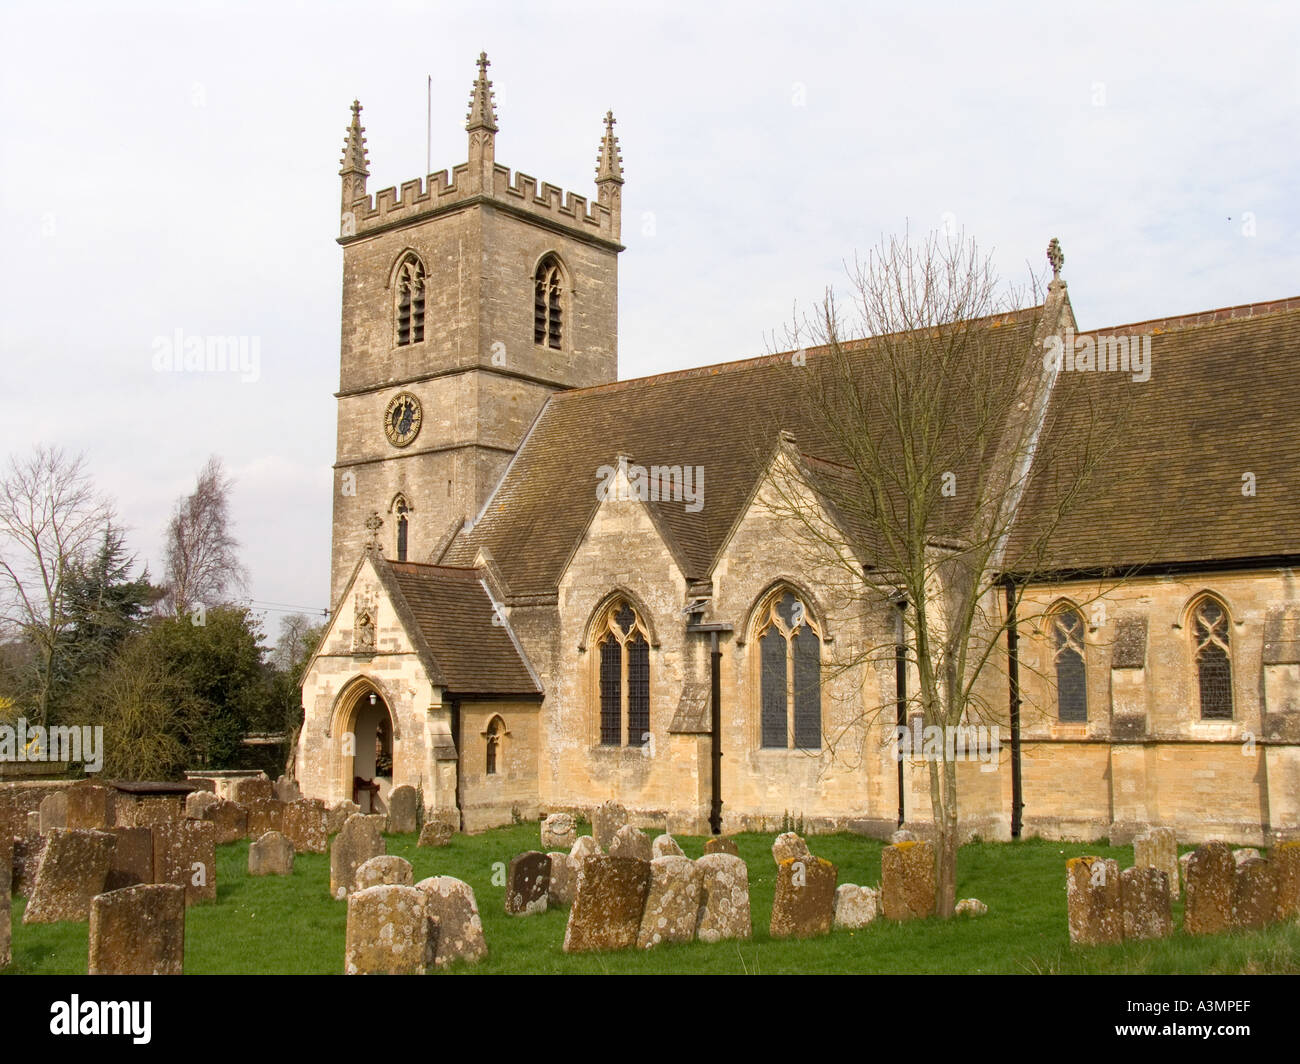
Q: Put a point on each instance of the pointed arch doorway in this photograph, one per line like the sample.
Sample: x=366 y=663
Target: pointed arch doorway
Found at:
x=368 y=757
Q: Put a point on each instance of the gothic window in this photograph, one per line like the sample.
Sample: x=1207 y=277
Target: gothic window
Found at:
x=402 y=510
x=789 y=657
x=1213 y=662
x=496 y=730
x=1067 y=630
x=410 y=301
x=547 y=292
x=624 y=646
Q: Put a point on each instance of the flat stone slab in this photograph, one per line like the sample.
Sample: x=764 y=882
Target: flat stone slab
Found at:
x=1145 y=897
x=72 y=871
x=907 y=881
x=390 y=932
x=611 y=897
x=383 y=871
x=1093 y=905
x=138 y=930
x=460 y=929
x=672 y=905
x=724 y=913
x=527 y=883
x=185 y=853
x=1210 y=874
x=271 y=855
x=804 y=904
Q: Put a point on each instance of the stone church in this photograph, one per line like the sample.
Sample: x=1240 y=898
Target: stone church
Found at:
x=516 y=629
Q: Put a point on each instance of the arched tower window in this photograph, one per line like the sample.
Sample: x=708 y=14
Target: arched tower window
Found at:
x=410 y=301
x=789 y=656
x=403 y=521
x=548 y=289
x=623 y=643
x=496 y=731
x=1066 y=627
x=1212 y=651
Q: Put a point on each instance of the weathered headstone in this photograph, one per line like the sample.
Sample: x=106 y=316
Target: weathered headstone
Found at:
x=33 y=823
x=197 y=804
x=157 y=809
x=1158 y=848
x=90 y=807
x=1210 y=872
x=724 y=911
x=403 y=810
x=138 y=930
x=251 y=789
x=907 y=881
x=132 y=861
x=271 y=855
x=185 y=853
x=630 y=841
x=1244 y=854
x=229 y=820
x=970 y=907
x=584 y=847
x=264 y=814
x=527 y=883
x=385 y=871
x=902 y=835
x=203 y=783
x=306 y=825
x=338 y=813
x=72 y=871
x=287 y=790
x=27 y=853
x=1092 y=898
x=665 y=846
x=722 y=844
x=360 y=840
x=1144 y=896
x=559 y=831
x=611 y=897
x=1182 y=868
x=390 y=932
x=605 y=822
x=788 y=845
x=460 y=935
x=54 y=811
x=564 y=881
x=804 y=905
x=672 y=905
x=1254 y=895
x=436 y=833
x=855 y=906
x=6 y=898
x=1286 y=860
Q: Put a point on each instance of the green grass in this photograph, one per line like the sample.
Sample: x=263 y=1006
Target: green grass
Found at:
x=289 y=924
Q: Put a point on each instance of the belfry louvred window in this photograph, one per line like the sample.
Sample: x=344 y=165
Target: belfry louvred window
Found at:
x=547 y=295
x=624 y=655
x=410 y=302
x=789 y=655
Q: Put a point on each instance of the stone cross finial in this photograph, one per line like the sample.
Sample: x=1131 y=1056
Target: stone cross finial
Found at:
x=482 y=106
x=1056 y=258
x=373 y=524
x=483 y=64
x=609 y=160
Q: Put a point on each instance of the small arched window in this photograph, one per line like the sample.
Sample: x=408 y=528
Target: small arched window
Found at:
x=1213 y=659
x=1071 y=675
x=410 y=301
x=548 y=286
x=789 y=651
x=402 y=510
x=496 y=731
x=624 y=647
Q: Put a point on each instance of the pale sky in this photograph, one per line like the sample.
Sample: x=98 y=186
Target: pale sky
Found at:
x=174 y=166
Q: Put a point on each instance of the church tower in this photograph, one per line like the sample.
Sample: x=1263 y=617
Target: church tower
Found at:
x=468 y=299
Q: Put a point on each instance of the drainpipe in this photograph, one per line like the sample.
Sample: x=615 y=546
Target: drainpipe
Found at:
x=715 y=719
x=900 y=698
x=1013 y=693
x=456 y=742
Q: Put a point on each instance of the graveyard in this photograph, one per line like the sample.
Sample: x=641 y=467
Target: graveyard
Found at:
x=293 y=922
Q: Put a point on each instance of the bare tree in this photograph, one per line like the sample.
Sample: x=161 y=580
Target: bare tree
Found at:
x=51 y=521
x=923 y=414
x=202 y=564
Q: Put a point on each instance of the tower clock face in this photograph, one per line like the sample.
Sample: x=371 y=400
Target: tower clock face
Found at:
x=402 y=419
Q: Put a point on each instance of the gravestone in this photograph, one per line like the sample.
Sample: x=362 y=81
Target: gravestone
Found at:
x=724 y=912
x=27 y=853
x=390 y=932
x=583 y=848
x=804 y=905
x=607 y=910
x=436 y=833
x=403 y=810
x=1254 y=895
x=360 y=840
x=1210 y=873
x=132 y=861
x=672 y=905
x=564 y=881
x=287 y=790
x=1092 y=898
x=6 y=898
x=385 y=871
x=228 y=819
x=264 y=814
x=271 y=855
x=90 y=807
x=1244 y=854
x=665 y=846
x=198 y=803
x=251 y=789
x=605 y=822
x=630 y=841
x=337 y=815
x=185 y=853
x=158 y=809
x=1144 y=896
x=54 y=811
x=907 y=880
x=559 y=831
x=722 y=844
x=138 y=930
x=527 y=883
x=855 y=906
x=305 y=825
x=970 y=907
x=1286 y=860
x=902 y=835
x=460 y=930
x=72 y=871
x=788 y=845
x=1158 y=848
